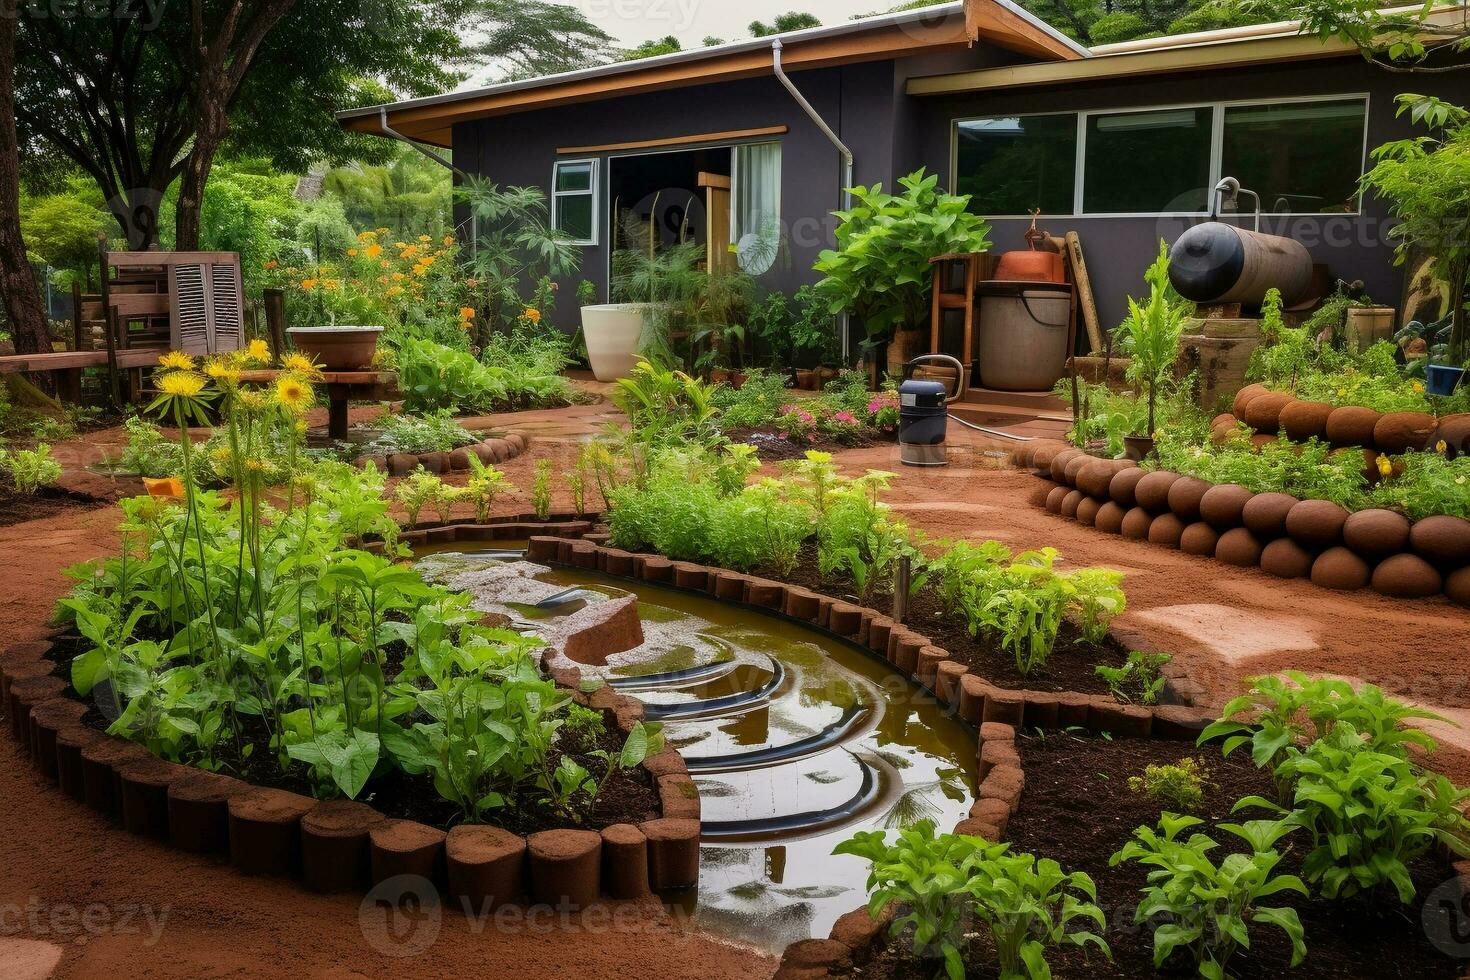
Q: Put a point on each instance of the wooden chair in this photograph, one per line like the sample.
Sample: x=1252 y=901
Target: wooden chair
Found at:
x=969 y=268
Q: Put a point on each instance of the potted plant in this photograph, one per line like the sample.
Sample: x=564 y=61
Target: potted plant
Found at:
x=1151 y=335
x=649 y=284
x=880 y=270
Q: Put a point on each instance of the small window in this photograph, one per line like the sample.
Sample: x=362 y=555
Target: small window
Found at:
x=1012 y=165
x=1301 y=157
x=1149 y=162
x=574 y=200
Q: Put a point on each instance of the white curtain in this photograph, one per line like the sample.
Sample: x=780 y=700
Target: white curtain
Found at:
x=756 y=228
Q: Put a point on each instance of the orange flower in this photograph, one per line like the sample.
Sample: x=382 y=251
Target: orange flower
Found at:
x=374 y=250
x=448 y=240
x=308 y=284
x=352 y=253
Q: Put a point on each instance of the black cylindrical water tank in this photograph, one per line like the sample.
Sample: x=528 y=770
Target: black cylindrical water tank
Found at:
x=1220 y=263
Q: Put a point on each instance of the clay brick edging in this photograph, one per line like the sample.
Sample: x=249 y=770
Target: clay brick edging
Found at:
x=340 y=845
x=489 y=451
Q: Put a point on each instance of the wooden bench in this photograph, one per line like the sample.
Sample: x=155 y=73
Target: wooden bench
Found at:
x=66 y=367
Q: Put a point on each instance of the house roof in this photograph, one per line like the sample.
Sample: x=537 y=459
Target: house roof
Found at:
x=957 y=24
x=1233 y=47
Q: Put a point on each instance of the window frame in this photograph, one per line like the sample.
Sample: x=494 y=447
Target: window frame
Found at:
x=1217 y=151
x=593 y=191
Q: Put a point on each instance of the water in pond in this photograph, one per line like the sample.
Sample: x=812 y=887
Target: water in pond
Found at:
x=796 y=740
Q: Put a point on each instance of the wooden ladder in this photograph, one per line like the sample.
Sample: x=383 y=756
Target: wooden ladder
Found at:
x=972 y=266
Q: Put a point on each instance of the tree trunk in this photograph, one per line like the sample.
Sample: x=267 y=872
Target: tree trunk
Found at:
x=213 y=122
x=17 y=280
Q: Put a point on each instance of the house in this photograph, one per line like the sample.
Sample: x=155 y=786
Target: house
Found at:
x=746 y=146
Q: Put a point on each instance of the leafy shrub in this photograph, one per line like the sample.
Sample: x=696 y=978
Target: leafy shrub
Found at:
x=1425 y=484
x=1310 y=470
x=1370 y=814
x=421 y=489
x=432 y=432
x=1180 y=785
x=858 y=537
x=797 y=331
x=515 y=371
x=1027 y=903
x=541 y=490
x=1142 y=672
x=954 y=568
x=148 y=453
x=30 y=469
x=1096 y=601
x=756 y=403
x=1208 y=909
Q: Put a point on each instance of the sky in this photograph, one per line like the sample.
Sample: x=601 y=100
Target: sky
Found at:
x=691 y=21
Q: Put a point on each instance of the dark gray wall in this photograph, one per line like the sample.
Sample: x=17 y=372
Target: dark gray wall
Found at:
x=892 y=134
x=1119 y=249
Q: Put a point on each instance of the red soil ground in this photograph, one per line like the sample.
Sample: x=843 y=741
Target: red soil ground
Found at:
x=1224 y=623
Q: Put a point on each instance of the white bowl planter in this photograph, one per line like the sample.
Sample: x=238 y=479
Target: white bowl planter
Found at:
x=614 y=334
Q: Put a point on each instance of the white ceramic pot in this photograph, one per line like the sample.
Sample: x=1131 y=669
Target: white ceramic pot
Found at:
x=614 y=333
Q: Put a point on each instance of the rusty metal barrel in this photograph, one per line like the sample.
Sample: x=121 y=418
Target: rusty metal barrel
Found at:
x=1219 y=263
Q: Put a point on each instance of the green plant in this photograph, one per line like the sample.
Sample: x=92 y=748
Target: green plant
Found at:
x=586 y=293
x=959 y=563
x=1280 y=712
x=1151 y=334
x=30 y=469
x=795 y=331
x=577 y=485
x=148 y=453
x=1370 y=813
x=1027 y=903
x=1097 y=599
x=1208 y=909
x=857 y=536
x=431 y=432
x=583 y=728
x=666 y=407
x=485 y=483
x=1142 y=672
x=541 y=490
x=422 y=489
x=880 y=269
x=1425 y=484
x=1181 y=785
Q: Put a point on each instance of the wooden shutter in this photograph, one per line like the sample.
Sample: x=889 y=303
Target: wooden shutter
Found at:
x=188 y=292
x=227 y=307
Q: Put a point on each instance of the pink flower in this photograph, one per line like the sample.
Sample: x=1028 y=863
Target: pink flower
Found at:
x=845 y=417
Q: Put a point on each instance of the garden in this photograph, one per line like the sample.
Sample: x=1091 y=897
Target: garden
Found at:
x=678 y=629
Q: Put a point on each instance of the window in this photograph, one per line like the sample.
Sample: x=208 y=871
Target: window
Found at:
x=1149 y=162
x=755 y=226
x=1013 y=165
x=1301 y=157
x=574 y=200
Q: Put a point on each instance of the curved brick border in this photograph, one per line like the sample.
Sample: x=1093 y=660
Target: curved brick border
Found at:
x=1433 y=556
x=493 y=450
x=337 y=847
x=1344 y=425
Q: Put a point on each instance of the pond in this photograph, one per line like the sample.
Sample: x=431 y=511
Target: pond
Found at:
x=796 y=739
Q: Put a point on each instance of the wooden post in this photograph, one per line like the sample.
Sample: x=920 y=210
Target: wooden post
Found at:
x=275 y=319
x=337 y=403
x=109 y=317
x=902 y=579
x=76 y=314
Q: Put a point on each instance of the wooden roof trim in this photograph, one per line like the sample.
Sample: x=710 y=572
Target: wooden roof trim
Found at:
x=1201 y=58
x=698 y=138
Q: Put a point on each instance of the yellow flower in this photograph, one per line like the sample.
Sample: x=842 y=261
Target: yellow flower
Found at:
x=308 y=284
x=397 y=277
x=384 y=264
x=298 y=362
x=177 y=361
x=352 y=253
x=366 y=236
x=181 y=384
x=1418 y=387
x=255 y=466
x=258 y=351
x=394 y=290
x=466 y=312
x=465 y=325
x=427 y=261
x=531 y=315
x=293 y=394
x=222 y=371
x=251 y=400
x=1441 y=446
x=448 y=240
x=1385 y=466
x=374 y=250
x=424 y=238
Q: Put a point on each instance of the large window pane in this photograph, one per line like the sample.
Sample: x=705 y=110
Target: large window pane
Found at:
x=1301 y=157
x=1147 y=162
x=756 y=231
x=1013 y=165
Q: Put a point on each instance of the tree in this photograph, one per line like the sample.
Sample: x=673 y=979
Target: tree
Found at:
x=533 y=38
x=63 y=229
x=1408 y=39
x=18 y=288
x=1427 y=184
x=654 y=48
x=782 y=23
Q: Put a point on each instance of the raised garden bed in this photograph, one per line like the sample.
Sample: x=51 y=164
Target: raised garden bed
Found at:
x=646 y=835
x=1272 y=412
x=1290 y=538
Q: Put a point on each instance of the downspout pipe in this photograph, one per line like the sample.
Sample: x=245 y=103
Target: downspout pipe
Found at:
x=394 y=134
x=842 y=148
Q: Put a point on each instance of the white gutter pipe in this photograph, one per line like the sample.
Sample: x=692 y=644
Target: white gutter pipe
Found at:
x=842 y=148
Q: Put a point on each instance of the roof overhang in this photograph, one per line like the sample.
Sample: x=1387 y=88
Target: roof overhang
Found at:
x=947 y=26
x=1276 y=43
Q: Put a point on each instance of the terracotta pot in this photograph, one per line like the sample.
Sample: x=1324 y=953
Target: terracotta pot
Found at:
x=338 y=348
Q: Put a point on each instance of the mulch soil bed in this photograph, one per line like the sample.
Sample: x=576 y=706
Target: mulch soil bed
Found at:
x=629 y=797
x=1077 y=809
x=18 y=508
x=1070 y=668
x=773 y=448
